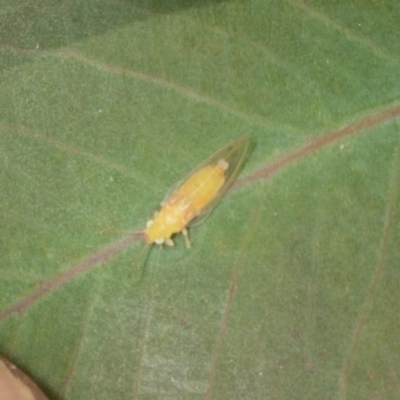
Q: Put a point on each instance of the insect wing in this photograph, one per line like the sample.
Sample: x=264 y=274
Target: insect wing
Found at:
x=234 y=154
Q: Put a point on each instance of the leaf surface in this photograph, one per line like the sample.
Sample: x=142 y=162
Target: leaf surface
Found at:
x=291 y=288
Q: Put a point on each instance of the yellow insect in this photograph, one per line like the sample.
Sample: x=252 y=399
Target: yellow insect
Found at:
x=195 y=197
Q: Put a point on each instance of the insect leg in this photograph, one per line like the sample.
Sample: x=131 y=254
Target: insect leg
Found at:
x=186 y=236
x=169 y=242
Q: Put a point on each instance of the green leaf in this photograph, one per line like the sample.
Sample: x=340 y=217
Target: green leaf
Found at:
x=291 y=287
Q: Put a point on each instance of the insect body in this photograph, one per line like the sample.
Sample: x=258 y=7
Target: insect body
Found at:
x=197 y=195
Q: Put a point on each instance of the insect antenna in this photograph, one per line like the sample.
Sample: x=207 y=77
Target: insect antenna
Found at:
x=140 y=259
